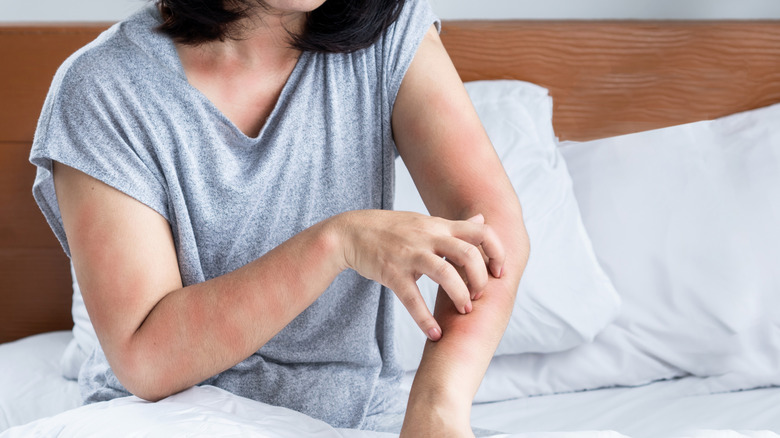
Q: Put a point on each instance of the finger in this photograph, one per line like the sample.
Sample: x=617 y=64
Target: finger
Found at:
x=469 y=258
x=494 y=250
x=478 y=219
x=443 y=273
x=411 y=298
x=482 y=235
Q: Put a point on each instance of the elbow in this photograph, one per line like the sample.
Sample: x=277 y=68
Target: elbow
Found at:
x=148 y=393
x=524 y=249
x=140 y=375
x=519 y=250
x=141 y=381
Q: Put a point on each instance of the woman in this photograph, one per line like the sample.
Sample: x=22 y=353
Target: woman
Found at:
x=220 y=174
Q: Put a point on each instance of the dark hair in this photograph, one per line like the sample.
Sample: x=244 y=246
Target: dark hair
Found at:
x=338 y=26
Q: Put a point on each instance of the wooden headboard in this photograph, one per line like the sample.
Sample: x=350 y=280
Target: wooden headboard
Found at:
x=606 y=78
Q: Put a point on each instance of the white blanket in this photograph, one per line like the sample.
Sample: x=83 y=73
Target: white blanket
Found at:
x=211 y=412
x=204 y=411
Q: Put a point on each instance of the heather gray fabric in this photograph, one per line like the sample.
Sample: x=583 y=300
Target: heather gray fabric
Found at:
x=121 y=110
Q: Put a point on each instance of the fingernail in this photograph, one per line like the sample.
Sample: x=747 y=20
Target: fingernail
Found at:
x=434 y=334
x=469 y=307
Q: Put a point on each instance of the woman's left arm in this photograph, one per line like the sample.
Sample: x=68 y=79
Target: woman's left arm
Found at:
x=459 y=175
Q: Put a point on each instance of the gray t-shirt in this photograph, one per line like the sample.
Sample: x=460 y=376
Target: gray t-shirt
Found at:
x=122 y=111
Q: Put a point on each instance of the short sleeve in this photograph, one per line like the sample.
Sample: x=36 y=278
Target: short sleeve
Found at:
x=402 y=40
x=88 y=123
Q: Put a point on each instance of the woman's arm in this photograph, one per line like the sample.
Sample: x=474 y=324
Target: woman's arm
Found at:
x=161 y=338
x=458 y=173
x=158 y=336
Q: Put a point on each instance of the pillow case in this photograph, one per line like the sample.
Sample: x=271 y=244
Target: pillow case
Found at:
x=686 y=222
x=564 y=298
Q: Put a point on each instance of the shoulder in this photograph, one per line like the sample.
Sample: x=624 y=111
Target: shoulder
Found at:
x=403 y=37
x=102 y=89
x=128 y=50
x=405 y=32
x=400 y=43
x=416 y=15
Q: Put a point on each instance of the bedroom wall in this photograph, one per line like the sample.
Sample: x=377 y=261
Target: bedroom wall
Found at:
x=111 y=10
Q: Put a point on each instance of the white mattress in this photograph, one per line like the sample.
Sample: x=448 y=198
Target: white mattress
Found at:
x=31 y=387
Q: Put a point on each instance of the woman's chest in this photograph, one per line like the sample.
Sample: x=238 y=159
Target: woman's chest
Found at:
x=233 y=201
x=325 y=148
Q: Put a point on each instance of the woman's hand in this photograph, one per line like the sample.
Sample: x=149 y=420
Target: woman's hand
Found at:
x=396 y=248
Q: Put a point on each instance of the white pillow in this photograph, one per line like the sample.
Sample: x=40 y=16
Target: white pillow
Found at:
x=565 y=298
x=686 y=222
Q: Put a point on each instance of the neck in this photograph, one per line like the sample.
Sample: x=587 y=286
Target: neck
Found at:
x=263 y=38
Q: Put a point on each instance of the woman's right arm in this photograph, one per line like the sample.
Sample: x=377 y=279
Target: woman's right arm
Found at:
x=161 y=338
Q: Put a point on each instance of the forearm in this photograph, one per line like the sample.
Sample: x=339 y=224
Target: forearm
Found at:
x=459 y=175
x=453 y=367
x=200 y=330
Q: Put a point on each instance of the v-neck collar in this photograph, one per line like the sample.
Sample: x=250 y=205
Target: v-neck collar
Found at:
x=280 y=101
x=178 y=69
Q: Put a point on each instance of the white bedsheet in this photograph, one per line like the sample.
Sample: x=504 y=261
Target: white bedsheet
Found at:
x=675 y=408
x=199 y=411
x=30 y=387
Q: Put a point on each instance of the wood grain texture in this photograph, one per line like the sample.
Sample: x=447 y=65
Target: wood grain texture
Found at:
x=35 y=292
x=21 y=223
x=35 y=289
x=610 y=78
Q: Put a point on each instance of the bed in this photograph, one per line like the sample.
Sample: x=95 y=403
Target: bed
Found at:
x=651 y=130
